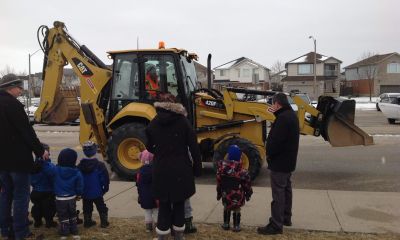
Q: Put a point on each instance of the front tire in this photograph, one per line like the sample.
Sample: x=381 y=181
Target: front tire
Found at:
x=124 y=146
x=251 y=158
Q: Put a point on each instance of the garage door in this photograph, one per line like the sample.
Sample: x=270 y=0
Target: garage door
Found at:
x=390 y=89
x=301 y=88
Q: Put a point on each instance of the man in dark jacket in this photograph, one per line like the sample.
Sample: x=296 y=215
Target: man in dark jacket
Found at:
x=282 y=147
x=17 y=142
x=170 y=137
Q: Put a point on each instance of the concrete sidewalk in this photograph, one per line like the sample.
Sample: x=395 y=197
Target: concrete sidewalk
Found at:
x=366 y=212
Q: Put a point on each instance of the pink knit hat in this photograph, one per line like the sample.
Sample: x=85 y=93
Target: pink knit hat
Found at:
x=146 y=157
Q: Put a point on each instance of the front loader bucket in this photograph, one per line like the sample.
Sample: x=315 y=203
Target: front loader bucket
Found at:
x=66 y=108
x=338 y=123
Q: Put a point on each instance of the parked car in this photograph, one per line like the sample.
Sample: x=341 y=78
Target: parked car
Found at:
x=391 y=110
x=31 y=112
x=386 y=98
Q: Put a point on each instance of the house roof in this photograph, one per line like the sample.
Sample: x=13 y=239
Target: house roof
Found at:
x=199 y=66
x=309 y=58
x=306 y=78
x=238 y=61
x=371 y=60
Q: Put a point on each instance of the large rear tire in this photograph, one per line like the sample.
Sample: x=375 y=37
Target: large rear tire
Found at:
x=391 y=120
x=251 y=158
x=124 y=146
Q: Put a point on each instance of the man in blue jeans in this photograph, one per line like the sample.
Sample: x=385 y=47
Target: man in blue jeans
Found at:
x=17 y=142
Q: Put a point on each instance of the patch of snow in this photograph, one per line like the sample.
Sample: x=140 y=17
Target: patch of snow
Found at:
x=323 y=58
x=366 y=106
x=299 y=60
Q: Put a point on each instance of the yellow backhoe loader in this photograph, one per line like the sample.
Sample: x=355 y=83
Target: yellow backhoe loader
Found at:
x=117 y=104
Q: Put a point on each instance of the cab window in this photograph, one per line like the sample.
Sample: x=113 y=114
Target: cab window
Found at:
x=160 y=75
x=126 y=80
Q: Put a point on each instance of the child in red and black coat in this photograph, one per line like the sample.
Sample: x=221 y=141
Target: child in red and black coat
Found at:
x=233 y=186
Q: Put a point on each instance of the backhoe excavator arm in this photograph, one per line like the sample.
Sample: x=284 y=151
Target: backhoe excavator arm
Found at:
x=58 y=104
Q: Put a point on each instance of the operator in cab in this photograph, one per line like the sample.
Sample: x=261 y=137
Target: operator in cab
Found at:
x=151 y=81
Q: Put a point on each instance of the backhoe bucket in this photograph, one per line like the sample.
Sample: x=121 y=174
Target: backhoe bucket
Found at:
x=338 y=123
x=66 y=107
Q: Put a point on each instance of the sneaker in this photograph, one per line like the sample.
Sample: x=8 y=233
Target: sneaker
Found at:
x=270 y=229
x=225 y=226
x=149 y=227
x=76 y=237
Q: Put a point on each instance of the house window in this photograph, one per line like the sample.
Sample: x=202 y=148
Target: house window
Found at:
x=221 y=73
x=393 y=68
x=305 y=68
x=246 y=72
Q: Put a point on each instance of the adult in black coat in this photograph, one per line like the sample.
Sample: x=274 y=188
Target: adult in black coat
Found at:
x=282 y=147
x=17 y=142
x=171 y=139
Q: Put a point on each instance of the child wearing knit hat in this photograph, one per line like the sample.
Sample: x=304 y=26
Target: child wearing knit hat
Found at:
x=233 y=186
x=96 y=184
x=144 y=187
x=68 y=186
x=42 y=194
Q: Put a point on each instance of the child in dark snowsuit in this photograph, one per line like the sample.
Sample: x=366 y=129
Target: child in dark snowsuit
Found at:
x=144 y=187
x=233 y=186
x=42 y=195
x=96 y=184
x=68 y=186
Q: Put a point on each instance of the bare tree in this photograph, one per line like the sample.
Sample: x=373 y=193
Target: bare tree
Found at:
x=368 y=70
x=277 y=67
x=275 y=79
x=6 y=70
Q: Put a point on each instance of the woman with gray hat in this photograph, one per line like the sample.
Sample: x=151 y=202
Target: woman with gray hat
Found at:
x=17 y=142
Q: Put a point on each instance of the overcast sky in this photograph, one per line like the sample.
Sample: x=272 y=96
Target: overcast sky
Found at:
x=262 y=30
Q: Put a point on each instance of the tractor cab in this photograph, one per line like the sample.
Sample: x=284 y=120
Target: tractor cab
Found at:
x=141 y=75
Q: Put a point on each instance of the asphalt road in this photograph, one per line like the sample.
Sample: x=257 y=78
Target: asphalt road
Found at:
x=320 y=166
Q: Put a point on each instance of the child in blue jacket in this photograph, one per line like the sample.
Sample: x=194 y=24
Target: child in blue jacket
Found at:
x=68 y=187
x=96 y=183
x=144 y=187
x=42 y=195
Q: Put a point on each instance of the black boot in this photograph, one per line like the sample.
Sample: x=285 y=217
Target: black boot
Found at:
x=38 y=222
x=189 y=227
x=227 y=219
x=104 y=220
x=50 y=223
x=236 y=221
x=78 y=220
x=87 y=220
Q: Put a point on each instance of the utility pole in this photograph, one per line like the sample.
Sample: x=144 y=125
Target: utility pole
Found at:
x=315 y=68
x=29 y=77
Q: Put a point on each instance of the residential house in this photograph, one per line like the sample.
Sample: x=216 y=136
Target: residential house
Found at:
x=300 y=75
x=201 y=72
x=376 y=74
x=242 y=72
